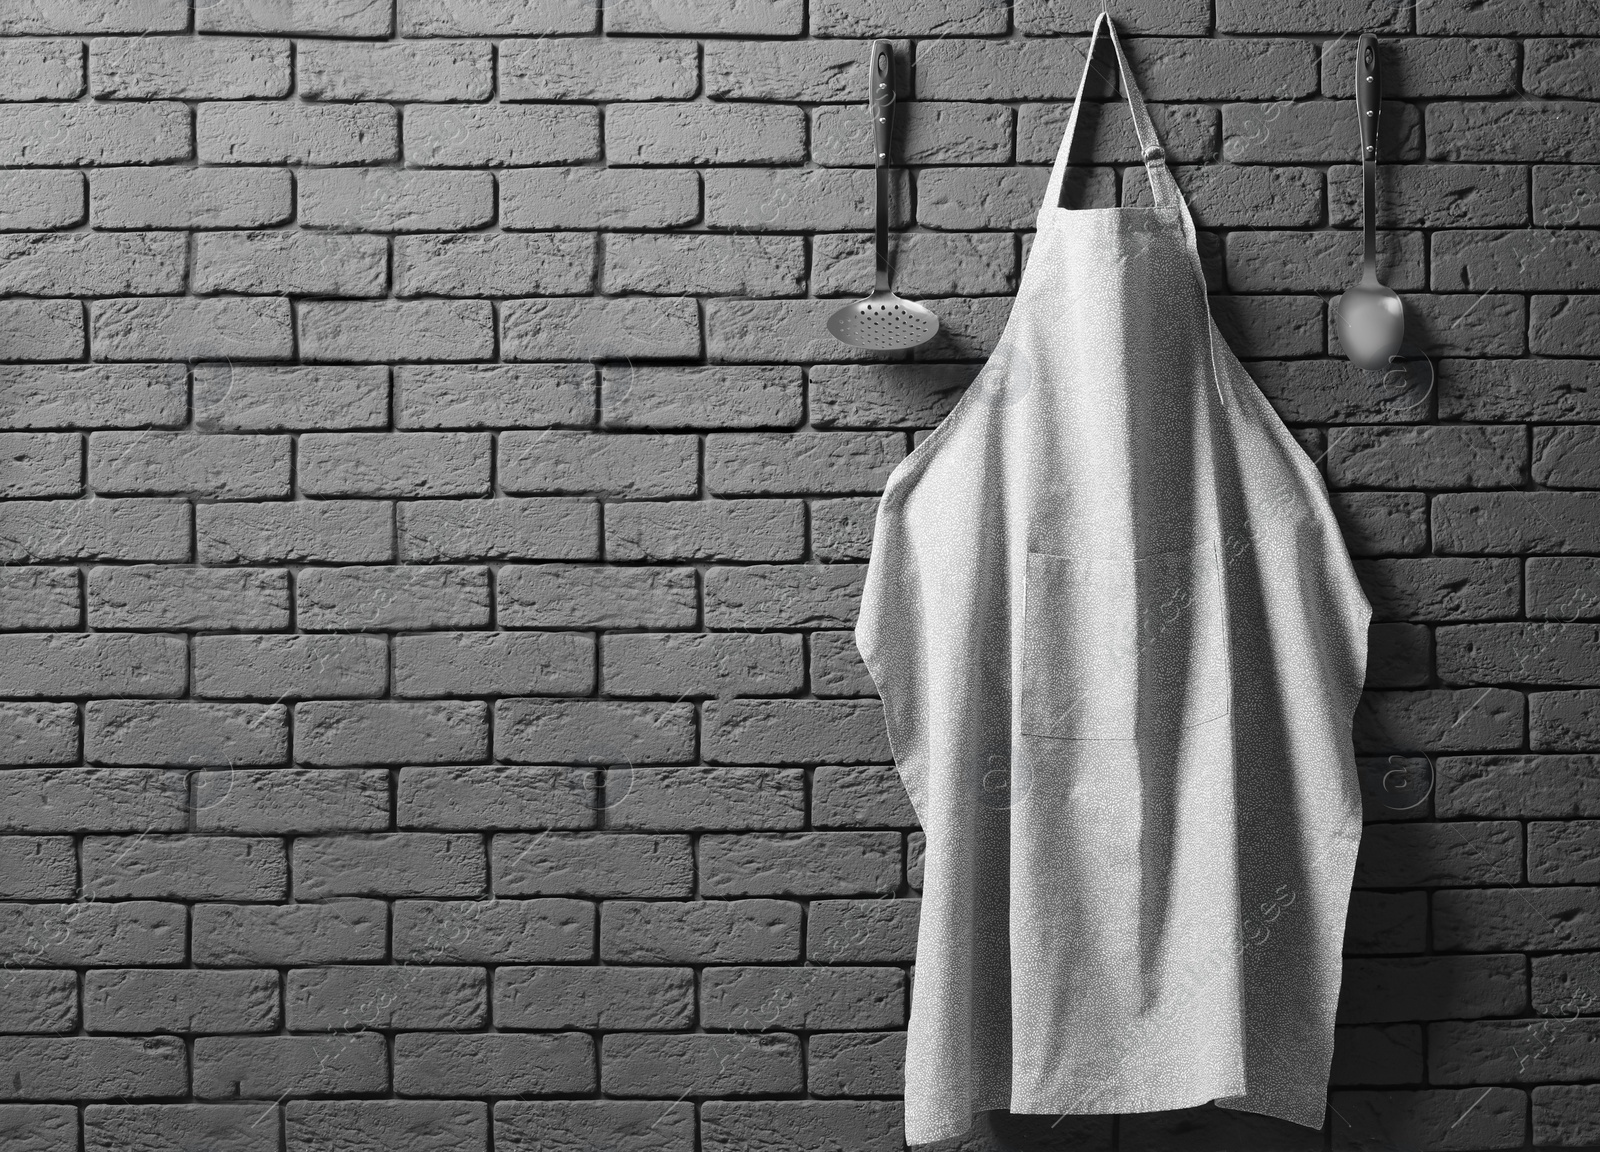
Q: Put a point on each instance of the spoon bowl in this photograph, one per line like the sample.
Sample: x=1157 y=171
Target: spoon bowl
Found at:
x=1371 y=324
x=883 y=323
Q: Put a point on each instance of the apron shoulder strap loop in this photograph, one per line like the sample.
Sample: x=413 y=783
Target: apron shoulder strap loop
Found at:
x=1163 y=187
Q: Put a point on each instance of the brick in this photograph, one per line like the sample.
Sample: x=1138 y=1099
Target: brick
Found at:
x=1516 y=522
x=235 y=1127
x=527 y=1125
x=925 y=132
x=184 y=868
x=191 y=329
x=344 y=999
x=700 y=931
x=500 y=529
x=52 y=135
x=142 y=800
x=1564 y=325
x=1314 y=132
x=494 y=264
x=188 y=68
x=499 y=135
x=705 y=263
x=43 y=198
x=295 y=17
x=757 y=999
x=1564 y=195
x=172 y=734
x=1516 y=1051
x=836 y=667
x=1562 y=852
x=389 y=864
x=89 y=16
x=41 y=330
x=403 y=70
x=592 y=864
x=784 y=596
x=1436 y=589
x=128 y=932
x=795 y=1124
x=280 y=800
x=34 y=664
x=572 y=69
x=296 y=132
x=926 y=264
x=1516 y=390
x=771 y=463
x=81 y=1068
x=800 y=863
x=1440 y=855
x=701 y=799
x=798 y=199
x=576 y=596
x=1188 y=133
x=1488 y=260
x=611 y=998
x=1432 y=1118
x=855 y=1064
x=1500 y=919
x=706 y=530
x=92 y=264
x=738 y=17
x=491 y=18
x=579 y=328
x=729 y=1064
x=701 y=133
x=1225 y=195
x=860 y=797
x=332 y=733
x=842 y=529
x=1482 y=719
x=183 y=464
x=906 y=18
x=888 y=395
x=153 y=1000
x=190 y=197
x=339 y=931
x=1384 y=922
x=597 y=197
x=694 y=397
x=289 y=667
x=302 y=263
x=493 y=395
x=1564 y=1115
x=332 y=531
x=40 y=464
x=413 y=597
x=154 y=596
x=492 y=796
x=1051 y=17
x=1260 y=16
x=339 y=331
x=394 y=200
x=1465 y=456
x=462 y=1124
x=1554 y=654
x=1319 y=261
x=1561 y=984
x=1545 y=131
x=593 y=731
x=45 y=530
x=1426 y=67
x=39 y=598
x=1498 y=18
x=39 y=1002
x=1564 y=457
x=1398 y=656
x=248 y=398
x=816 y=71
x=38 y=868
x=274 y=1067
x=638 y=466
x=1432 y=195
x=761 y=331
x=785 y=731
x=979 y=197
x=1433 y=988
x=493 y=931
x=394 y=464
x=493 y=663
x=1564 y=721
x=704 y=664
x=1382 y=523
x=501 y=1064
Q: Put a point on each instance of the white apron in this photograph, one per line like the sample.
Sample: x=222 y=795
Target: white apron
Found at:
x=1119 y=644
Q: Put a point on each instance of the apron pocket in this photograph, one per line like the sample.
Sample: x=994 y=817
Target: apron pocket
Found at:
x=1115 y=648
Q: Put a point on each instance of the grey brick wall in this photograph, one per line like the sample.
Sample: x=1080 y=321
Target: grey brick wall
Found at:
x=432 y=524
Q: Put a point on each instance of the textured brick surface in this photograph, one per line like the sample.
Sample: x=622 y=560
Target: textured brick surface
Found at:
x=433 y=519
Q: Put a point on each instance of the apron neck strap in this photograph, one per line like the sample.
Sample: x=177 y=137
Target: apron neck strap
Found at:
x=1163 y=187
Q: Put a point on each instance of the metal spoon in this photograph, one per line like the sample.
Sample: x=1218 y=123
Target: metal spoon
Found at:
x=882 y=322
x=1369 y=318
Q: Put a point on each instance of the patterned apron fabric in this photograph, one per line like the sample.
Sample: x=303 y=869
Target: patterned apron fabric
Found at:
x=1119 y=644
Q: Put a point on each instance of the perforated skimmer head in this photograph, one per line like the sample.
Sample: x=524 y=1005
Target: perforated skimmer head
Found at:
x=883 y=323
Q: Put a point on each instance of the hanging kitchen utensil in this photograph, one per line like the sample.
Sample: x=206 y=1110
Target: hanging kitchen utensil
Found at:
x=1369 y=318
x=882 y=322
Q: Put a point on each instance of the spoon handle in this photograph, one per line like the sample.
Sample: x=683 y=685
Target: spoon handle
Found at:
x=881 y=103
x=1368 y=95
